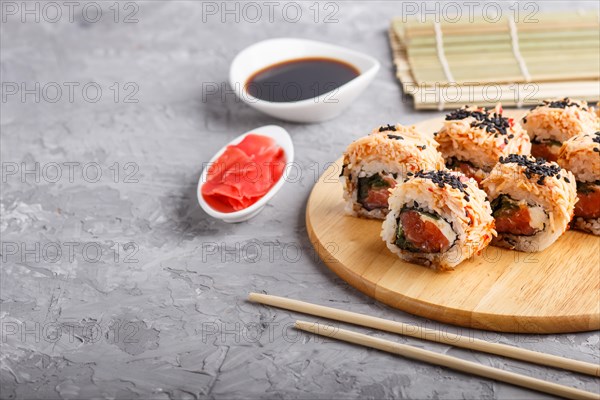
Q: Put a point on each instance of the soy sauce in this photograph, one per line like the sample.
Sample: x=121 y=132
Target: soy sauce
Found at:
x=300 y=79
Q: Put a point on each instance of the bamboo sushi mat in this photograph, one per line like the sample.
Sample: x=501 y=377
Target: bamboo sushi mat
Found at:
x=448 y=64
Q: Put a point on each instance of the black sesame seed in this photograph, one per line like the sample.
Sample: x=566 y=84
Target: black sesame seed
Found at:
x=567 y=179
x=564 y=103
x=533 y=166
x=505 y=141
x=463 y=113
x=387 y=127
x=397 y=137
x=597 y=150
x=494 y=123
x=443 y=178
x=511 y=136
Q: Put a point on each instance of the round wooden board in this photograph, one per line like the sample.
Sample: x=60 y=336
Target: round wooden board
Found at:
x=553 y=291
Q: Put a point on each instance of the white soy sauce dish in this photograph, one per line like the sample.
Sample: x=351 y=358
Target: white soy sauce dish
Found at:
x=268 y=54
x=282 y=139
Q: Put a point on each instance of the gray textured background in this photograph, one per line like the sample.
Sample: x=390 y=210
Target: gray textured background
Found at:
x=165 y=317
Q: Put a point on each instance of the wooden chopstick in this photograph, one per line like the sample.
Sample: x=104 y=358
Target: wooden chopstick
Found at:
x=446 y=361
x=427 y=334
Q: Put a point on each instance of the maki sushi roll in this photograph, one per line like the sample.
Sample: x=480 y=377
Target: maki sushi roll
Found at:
x=373 y=164
x=555 y=121
x=581 y=156
x=438 y=219
x=532 y=202
x=473 y=139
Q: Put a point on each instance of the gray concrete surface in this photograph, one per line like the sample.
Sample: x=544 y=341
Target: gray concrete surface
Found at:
x=115 y=284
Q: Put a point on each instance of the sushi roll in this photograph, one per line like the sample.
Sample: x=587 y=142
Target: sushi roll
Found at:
x=555 y=121
x=473 y=139
x=438 y=219
x=581 y=156
x=373 y=164
x=532 y=202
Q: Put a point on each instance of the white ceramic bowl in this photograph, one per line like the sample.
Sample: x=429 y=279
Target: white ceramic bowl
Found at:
x=324 y=107
x=282 y=138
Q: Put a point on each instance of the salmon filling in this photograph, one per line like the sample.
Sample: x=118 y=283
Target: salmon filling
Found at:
x=374 y=191
x=466 y=168
x=518 y=217
x=547 y=150
x=423 y=232
x=588 y=205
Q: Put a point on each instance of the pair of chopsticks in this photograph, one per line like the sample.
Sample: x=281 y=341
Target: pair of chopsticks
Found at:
x=435 y=336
